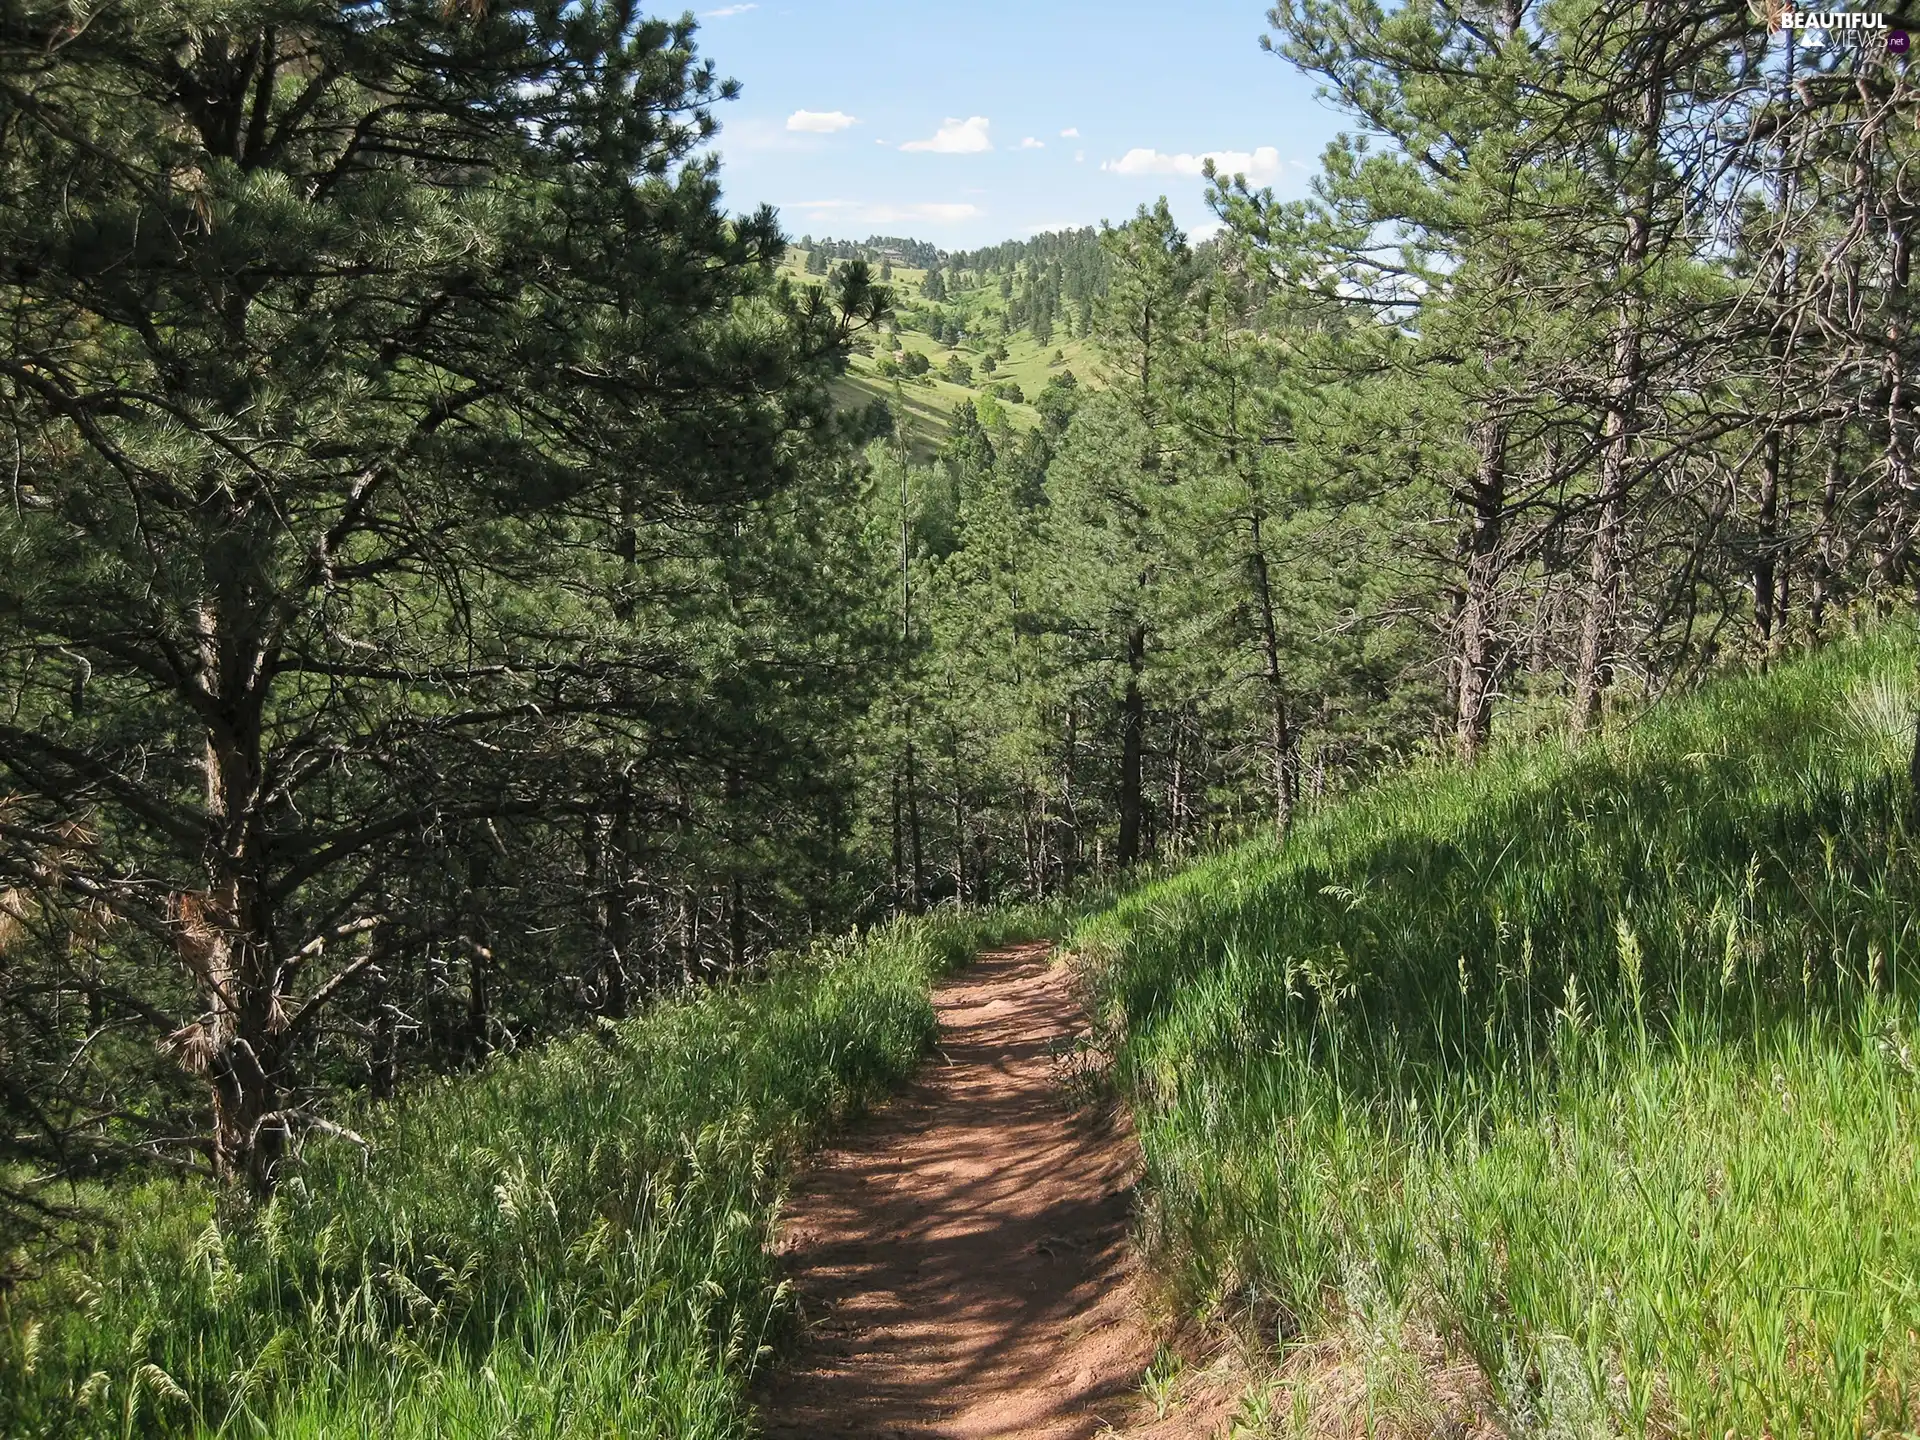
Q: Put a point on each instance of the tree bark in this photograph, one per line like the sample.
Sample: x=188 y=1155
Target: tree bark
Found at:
x=736 y=923
x=1769 y=575
x=689 y=935
x=224 y=934
x=1828 y=549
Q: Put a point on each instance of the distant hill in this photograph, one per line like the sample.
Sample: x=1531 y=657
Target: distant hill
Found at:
x=992 y=325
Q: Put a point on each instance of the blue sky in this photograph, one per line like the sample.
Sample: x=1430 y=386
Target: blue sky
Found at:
x=972 y=121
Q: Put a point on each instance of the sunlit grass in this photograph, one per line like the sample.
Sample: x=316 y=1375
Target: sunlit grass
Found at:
x=569 y=1243
x=1600 y=1063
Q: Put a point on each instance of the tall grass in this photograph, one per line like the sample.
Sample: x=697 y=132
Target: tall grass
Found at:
x=1600 y=1063
x=568 y=1243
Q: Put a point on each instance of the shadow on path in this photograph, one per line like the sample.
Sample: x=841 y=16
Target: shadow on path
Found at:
x=961 y=1258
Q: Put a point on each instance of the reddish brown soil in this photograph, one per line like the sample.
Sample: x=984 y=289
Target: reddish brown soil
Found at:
x=962 y=1260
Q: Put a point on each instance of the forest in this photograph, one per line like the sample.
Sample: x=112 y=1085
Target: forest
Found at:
x=475 y=611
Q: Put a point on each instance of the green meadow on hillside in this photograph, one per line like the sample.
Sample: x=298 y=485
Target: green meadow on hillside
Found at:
x=925 y=403
x=1597 y=1065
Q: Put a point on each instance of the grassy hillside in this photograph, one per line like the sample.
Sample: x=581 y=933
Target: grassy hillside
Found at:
x=571 y=1243
x=1582 y=1089
x=928 y=400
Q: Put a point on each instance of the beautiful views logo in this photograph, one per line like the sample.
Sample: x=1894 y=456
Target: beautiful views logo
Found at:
x=1817 y=28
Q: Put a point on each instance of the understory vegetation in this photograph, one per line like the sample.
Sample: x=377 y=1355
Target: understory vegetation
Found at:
x=573 y=1242
x=1598 y=1064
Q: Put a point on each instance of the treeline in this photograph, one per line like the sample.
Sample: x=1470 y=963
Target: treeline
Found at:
x=1079 y=251
x=916 y=254
x=1050 y=280
x=1586 y=367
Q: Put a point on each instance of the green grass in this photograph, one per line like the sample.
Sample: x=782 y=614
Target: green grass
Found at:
x=1598 y=1066
x=572 y=1242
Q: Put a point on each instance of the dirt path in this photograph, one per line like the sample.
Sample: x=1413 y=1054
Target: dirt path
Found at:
x=962 y=1259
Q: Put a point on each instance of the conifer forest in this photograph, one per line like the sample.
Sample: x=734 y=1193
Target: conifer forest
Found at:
x=523 y=672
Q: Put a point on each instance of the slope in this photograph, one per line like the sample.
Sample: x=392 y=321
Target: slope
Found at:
x=1574 y=1094
x=985 y=339
x=570 y=1241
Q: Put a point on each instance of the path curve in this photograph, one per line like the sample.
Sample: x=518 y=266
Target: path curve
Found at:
x=961 y=1258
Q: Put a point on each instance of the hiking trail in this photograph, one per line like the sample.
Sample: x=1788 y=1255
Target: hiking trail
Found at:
x=961 y=1256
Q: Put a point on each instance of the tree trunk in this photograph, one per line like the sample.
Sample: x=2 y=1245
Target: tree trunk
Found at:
x=735 y=791
x=1069 y=839
x=1828 y=548
x=383 y=1051
x=1133 y=713
x=606 y=868
x=237 y=1044
x=1475 y=668
x=617 y=950
x=736 y=923
x=688 y=940
x=1766 y=546
x=1033 y=839
x=1769 y=574
x=1475 y=664
x=959 y=820
x=479 y=1027
x=476 y=943
x=1899 y=442
x=1599 y=631
x=898 y=854
x=1279 y=709
x=224 y=935
x=917 y=897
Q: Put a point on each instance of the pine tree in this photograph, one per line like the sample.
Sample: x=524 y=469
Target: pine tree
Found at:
x=361 y=434
x=1115 y=492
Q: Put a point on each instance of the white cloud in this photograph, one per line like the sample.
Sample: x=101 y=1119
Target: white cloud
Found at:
x=1072 y=132
x=956 y=137
x=727 y=10
x=1261 y=164
x=1079 y=156
x=820 y=122
x=1032 y=144
x=867 y=213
